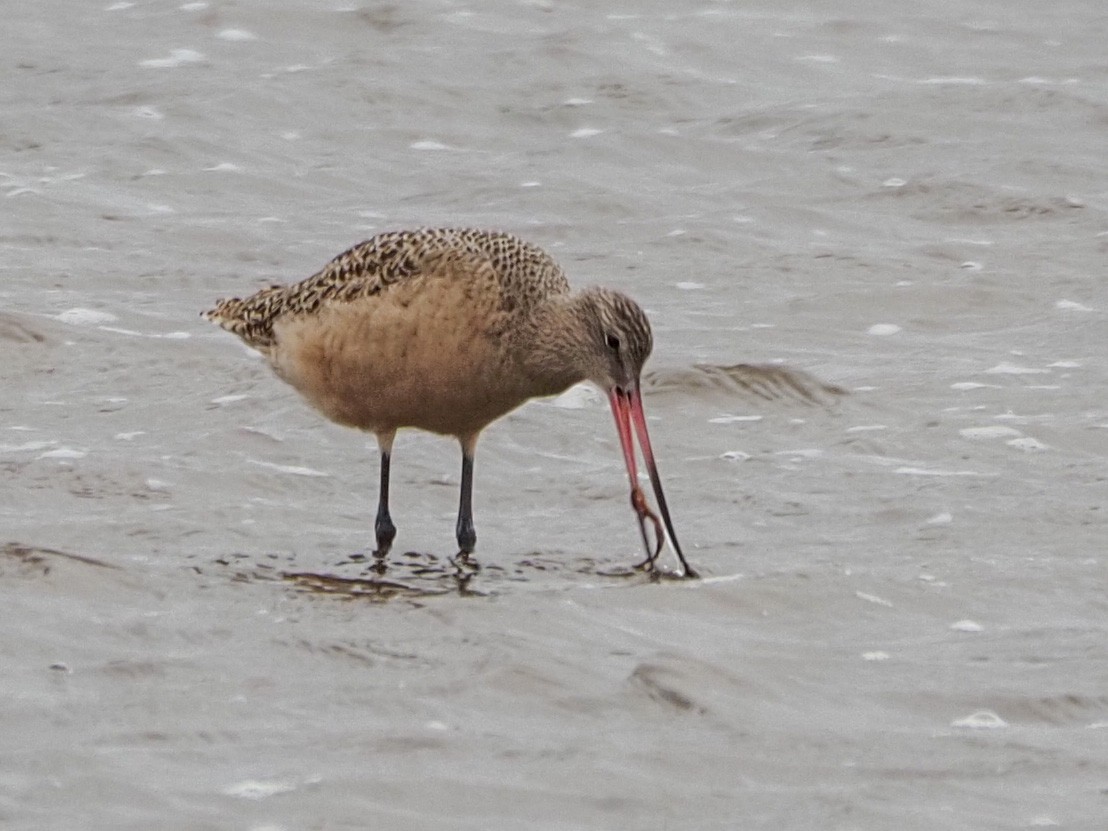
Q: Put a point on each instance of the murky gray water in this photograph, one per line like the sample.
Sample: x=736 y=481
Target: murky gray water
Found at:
x=903 y=617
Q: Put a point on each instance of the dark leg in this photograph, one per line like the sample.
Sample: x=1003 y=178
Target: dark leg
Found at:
x=467 y=534
x=386 y=531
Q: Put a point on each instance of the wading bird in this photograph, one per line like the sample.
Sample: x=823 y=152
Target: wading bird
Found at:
x=446 y=330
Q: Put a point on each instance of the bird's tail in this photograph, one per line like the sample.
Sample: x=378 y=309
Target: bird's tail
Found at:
x=251 y=319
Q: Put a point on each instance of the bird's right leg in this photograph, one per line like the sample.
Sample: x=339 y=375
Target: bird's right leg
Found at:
x=466 y=534
x=386 y=531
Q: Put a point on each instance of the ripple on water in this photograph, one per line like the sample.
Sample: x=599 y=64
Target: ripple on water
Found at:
x=414 y=575
x=760 y=382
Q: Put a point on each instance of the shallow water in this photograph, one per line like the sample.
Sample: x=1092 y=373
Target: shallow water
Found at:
x=872 y=246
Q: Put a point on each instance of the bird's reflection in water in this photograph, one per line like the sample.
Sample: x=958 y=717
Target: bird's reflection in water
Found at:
x=414 y=575
x=411 y=575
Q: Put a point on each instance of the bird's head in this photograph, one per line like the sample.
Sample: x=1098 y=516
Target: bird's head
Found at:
x=618 y=342
x=619 y=339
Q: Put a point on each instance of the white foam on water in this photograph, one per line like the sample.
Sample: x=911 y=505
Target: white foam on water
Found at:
x=29 y=446
x=256 y=789
x=85 y=317
x=237 y=35
x=63 y=453
x=884 y=461
x=866 y=428
x=1066 y=364
x=875 y=656
x=228 y=399
x=690 y=286
x=993 y=431
x=585 y=132
x=872 y=598
x=943 y=518
x=129 y=436
x=177 y=57
x=973 y=385
x=719 y=578
x=222 y=167
x=922 y=471
x=577 y=102
x=955 y=80
x=801 y=453
x=732 y=419
x=735 y=456
x=117 y=330
x=971 y=265
x=981 y=720
x=294 y=470
x=1027 y=444
x=883 y=329
x=578 y=397
x=1072 y=306
x=1005 y=368
x=428 y=144
x=966 y=626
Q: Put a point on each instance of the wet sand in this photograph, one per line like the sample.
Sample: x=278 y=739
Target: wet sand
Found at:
x=872 y=246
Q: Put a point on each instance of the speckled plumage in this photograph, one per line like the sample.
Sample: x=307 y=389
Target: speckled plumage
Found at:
x=446 y=330
x=524 y=272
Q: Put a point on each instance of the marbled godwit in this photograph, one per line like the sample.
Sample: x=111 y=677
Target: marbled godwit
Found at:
x=447 y=330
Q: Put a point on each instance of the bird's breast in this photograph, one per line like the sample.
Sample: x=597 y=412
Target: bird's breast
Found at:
x=430 y=356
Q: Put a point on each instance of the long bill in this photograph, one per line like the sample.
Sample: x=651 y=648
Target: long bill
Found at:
x=627 y=409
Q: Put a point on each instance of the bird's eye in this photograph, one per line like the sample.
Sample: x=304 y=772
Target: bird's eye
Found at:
x=613 y=342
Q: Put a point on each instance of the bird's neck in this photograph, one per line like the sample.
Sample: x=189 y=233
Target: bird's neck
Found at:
x=551 y=341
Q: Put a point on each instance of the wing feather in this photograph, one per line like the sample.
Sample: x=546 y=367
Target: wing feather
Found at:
x=526 y=273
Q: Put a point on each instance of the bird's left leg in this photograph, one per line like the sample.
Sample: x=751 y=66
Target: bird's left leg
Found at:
x=466 y=533
x=385 y=530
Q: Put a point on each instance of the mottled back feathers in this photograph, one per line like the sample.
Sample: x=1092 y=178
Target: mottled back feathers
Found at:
x=526 y=275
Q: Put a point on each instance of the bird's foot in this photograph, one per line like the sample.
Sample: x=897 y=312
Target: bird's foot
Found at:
x=464 y=560
x=385 y=533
